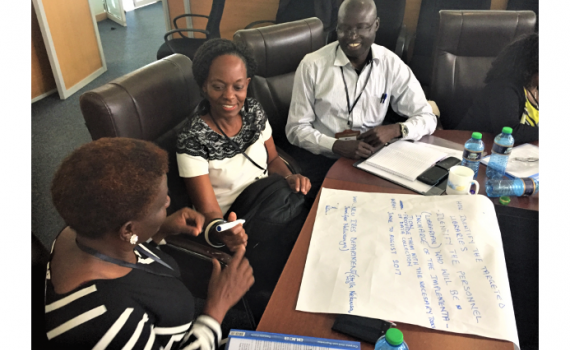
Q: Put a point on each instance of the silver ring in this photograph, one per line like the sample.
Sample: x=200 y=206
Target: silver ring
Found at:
x=386 y=144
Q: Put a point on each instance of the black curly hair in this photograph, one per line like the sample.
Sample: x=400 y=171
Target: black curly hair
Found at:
x=105 y=183
x=213 y=48
x=518 y=61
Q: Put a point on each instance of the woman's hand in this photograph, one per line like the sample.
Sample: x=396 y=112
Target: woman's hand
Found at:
x=227 y=286
x=299 y=183
x=185 y=220
x=234 y=237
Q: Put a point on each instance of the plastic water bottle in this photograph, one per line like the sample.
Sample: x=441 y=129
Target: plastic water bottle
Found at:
x=472 y=153
x=392 y=340
x=525 y=186
x=501 y=151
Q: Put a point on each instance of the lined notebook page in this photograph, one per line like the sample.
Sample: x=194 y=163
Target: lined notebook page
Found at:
x=405 y=159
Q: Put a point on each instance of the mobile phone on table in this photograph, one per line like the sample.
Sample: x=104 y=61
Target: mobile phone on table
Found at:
x=448 y=162
x=364 y=328
x=433 y=175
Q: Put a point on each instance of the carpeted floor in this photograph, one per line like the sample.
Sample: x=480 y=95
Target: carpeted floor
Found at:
x=58 y=127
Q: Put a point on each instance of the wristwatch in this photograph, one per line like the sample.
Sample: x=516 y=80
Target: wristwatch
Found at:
x=403 y=130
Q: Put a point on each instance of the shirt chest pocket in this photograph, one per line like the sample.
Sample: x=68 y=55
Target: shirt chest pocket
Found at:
x=374 y=108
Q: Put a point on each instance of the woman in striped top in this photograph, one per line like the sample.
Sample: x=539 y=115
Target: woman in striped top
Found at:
x=106 y=289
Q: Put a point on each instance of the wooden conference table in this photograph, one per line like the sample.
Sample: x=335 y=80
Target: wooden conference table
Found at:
x=280 y=315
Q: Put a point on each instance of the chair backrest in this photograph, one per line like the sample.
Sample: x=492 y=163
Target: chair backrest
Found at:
x=423 y=46
x=150 y=104
x=391 y=13
x=293 y=10
x=278 y=50
x=519 y=5
x=215 y=17
x=467 y=43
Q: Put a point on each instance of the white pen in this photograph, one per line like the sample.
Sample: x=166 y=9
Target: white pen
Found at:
x=229 y=225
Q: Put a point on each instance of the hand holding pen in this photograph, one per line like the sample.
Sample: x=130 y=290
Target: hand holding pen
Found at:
x=232 y=233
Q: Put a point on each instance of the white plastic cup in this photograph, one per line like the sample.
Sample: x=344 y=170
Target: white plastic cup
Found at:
x=459 y=181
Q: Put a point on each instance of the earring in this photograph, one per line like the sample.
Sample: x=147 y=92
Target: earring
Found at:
x=134 y=239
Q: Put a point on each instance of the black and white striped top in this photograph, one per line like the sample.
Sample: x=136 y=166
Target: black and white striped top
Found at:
x=141 y=310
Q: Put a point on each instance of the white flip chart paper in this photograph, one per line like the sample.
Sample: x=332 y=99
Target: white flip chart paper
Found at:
x=433 y=261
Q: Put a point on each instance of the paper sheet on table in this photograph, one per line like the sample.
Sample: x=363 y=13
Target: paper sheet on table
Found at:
x=405 y=159
x=517 y=168
x=436 y=262
x=414 y=185
x=449 y=151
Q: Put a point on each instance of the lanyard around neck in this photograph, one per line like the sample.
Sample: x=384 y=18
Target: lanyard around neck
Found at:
x=119 y=262
x=348 y=106
x=234 y=144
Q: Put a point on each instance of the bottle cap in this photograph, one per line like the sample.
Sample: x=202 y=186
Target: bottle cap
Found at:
x=507 y=130
x=504 y=200
x=476 y=135
x=394 y=336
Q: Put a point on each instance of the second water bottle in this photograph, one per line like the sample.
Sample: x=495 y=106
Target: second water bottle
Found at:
x=502 y=148
x=472 y=154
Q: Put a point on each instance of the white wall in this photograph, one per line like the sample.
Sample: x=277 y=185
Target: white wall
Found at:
x=96 y=6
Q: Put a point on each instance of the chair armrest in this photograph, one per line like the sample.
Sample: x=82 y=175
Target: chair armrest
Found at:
x=198 y=250
x=184 y=30
x=289 y=161
x=187 y=15
x=437 y=113
x=253 y=24
x=401 y=48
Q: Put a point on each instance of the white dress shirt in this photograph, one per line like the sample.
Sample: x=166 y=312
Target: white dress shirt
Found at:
x=319 y=108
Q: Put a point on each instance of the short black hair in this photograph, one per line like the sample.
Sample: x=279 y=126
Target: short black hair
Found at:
x=214 y=48
x=105 y=183
x=518 y=61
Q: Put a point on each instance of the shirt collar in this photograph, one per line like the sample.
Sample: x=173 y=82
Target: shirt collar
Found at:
x=341 y=60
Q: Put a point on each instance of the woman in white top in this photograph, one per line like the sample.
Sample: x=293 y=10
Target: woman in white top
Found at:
x=215 y=169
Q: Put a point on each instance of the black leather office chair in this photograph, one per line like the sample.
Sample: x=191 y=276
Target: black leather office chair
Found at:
x=467 y=42
x=422 y=45
x=294 y=10
x=278 y=50
x=521 y=5
x=188 y=46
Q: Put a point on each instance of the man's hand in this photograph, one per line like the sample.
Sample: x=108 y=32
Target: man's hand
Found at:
x=184 y=220
x=234 y=237
x=354 y=149
x=228 y=286
x=381 y=134
x=298 y=182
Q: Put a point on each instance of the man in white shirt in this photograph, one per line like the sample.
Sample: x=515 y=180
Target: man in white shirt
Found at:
x=342 y=91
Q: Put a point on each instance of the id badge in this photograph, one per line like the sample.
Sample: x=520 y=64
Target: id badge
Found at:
x=347 y=135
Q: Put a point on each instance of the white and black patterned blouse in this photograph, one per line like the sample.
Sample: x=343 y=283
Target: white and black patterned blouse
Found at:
x=201 y=151
x=197 y=139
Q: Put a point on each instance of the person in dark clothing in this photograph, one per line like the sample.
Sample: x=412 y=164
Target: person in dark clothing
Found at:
x=108 y=284
x=510 y=96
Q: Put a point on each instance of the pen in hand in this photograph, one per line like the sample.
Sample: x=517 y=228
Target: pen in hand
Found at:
x=229 y=225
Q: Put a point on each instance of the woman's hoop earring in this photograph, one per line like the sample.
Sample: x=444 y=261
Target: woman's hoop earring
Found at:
x=134 y=239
